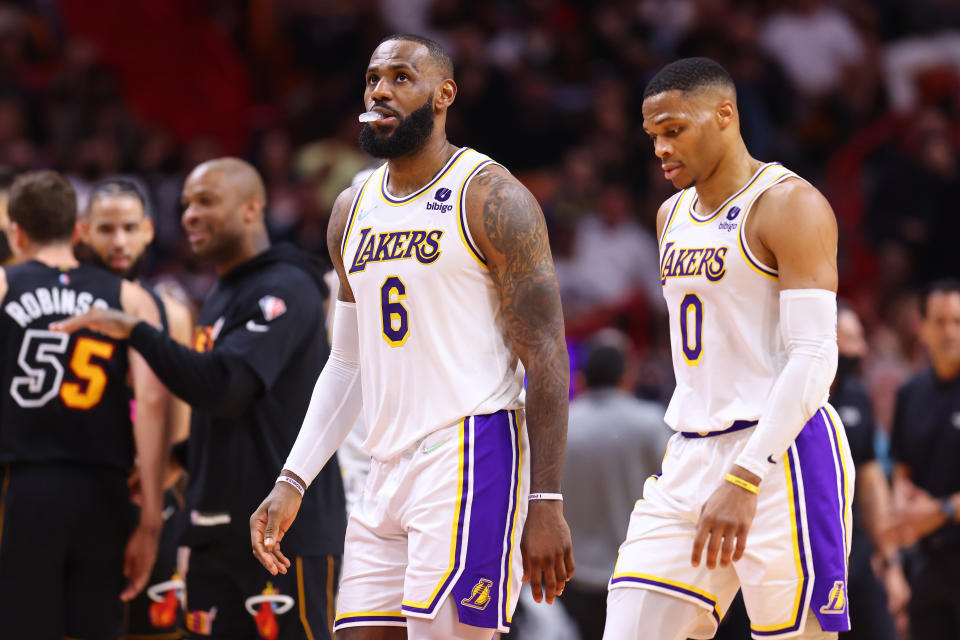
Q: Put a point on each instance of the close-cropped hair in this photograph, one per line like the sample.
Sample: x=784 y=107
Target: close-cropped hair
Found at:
x=114 y=187
x=435 y=49
x=688 y=74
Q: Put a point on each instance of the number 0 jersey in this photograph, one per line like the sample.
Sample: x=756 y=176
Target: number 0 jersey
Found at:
x=432 y=344
x=65 y=397
x=724 y=310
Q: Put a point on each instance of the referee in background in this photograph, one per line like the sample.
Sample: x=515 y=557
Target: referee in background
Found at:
x=258 y=351
x=925 y=446
x=876 y=585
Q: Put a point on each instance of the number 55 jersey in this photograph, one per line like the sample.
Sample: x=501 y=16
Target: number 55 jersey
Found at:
x=65 y=397
x=432 y=342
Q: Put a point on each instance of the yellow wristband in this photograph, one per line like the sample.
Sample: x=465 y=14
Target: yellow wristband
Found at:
x=743 y=484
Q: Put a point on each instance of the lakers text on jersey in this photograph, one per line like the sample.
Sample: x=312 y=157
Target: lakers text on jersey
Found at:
x=432 y=348
x=445 y=500
x=724 y=310
x=727 y=354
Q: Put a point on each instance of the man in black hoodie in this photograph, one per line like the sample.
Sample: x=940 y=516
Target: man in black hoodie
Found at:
x=258 y=349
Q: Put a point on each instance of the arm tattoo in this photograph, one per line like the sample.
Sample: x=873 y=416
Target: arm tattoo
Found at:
x=532 y=317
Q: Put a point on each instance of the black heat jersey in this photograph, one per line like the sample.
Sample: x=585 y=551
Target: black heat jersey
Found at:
x=64 y=397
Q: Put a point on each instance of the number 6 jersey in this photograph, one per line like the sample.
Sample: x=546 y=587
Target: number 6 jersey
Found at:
x=724 y=310
x=65 y=397
x=432 y=344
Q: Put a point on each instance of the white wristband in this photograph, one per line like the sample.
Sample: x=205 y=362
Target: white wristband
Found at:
x=293 y=483
x=545 y=496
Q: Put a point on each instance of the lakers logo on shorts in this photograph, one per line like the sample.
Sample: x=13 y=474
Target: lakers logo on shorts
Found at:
x=480 y=596
x=837 y=602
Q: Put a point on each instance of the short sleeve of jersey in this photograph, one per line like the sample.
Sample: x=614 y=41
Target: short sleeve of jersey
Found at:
x=274 y=323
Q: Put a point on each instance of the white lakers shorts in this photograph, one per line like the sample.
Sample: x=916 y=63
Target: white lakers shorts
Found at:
x=796 y=553
x=444 y=519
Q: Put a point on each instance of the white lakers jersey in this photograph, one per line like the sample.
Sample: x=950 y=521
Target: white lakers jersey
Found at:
x=724 y=310
x=432 y=345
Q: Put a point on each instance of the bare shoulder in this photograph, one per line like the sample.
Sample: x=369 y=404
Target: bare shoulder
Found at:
x=489 y=177
x=338 y=218
x=176 y=310
x=179 y=318
x=132 y=296
x=495 y=183
x=503 y=215
x=336 y=227
x=796 y=226
x=135 y=300
x=3 y=284
x=795 y=202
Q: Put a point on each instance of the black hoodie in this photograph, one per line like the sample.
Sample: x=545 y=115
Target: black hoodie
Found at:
x=258 y=350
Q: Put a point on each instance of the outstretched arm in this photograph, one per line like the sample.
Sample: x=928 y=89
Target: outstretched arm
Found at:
x=508 y=226
x=221 y=384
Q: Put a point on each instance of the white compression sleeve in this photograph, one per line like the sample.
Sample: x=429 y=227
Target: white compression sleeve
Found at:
x=336 y=400
x=808 y=325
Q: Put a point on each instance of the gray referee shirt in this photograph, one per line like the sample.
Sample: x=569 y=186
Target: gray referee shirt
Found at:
x=614 y=442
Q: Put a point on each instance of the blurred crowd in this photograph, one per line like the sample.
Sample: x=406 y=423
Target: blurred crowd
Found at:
x=858 y=96
x=861 y=97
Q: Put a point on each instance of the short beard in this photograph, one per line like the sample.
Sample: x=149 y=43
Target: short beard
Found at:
x=132 y=274
x=409 y=135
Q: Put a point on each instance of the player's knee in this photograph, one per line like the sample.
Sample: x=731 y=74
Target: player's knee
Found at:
x=443 y=632
x=445 y=625
x=812 y=630
x=648 y=614
x=371 y=633
x=446 y=630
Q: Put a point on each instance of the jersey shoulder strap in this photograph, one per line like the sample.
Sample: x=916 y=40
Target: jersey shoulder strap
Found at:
x=673 y=205
x=373 y=179
x=772 y=175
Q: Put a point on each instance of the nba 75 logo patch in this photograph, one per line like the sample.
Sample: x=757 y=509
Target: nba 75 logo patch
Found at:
x=272 y=307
